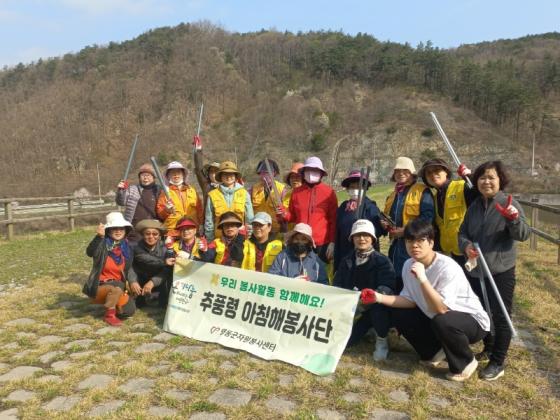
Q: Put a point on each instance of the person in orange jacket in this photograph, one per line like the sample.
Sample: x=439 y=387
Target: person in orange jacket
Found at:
x=184 y=200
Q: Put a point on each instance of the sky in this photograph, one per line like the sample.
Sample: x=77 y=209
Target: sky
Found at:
x=33 y=29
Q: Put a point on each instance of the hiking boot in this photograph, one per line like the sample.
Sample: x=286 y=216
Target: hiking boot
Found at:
x=381 y=349
x=435 y=361
x=465 y=374
x=111 y=318
x=492 y=371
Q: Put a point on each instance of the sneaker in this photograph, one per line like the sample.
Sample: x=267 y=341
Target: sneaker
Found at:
x=492 y=371
x=381 y=349
x=435 y=361
x=465 y=374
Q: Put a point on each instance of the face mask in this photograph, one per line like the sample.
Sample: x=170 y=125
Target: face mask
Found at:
x=176 y=183
x=353 y=194
x=312 y=177
x=299 y=248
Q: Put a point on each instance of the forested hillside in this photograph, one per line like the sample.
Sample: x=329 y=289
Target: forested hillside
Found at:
x=283 y=95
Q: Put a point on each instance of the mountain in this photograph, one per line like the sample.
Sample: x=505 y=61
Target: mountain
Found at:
x=279 y=94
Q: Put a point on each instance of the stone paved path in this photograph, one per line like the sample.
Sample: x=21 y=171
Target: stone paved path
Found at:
x=62 y=360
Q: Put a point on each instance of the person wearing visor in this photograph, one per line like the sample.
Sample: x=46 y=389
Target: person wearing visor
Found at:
x=189 y=246
x=314 y=204
x=298 y=260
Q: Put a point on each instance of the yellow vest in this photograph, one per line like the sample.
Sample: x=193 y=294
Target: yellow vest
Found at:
x=267 y=205
x=247 y=261
x=220 y=206
x=195 y=250
x=411 y=203
x=454 y=210
x=273 y=248
x=185 y=205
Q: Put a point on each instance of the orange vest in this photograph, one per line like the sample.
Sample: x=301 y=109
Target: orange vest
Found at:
x=185 y=200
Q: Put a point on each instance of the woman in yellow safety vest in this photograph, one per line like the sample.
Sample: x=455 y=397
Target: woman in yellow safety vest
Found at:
x=410 y=200
x=263 y=194
x=452 y=198
x=230 y=196
x=231 y=248
x=263 y=245
x=189 y=246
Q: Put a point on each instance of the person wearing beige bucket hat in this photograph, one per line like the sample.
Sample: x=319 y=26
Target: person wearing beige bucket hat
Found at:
x=298 y=260
x=139 y=201
x=230 y=196
x=408 y=201
x=111 y=269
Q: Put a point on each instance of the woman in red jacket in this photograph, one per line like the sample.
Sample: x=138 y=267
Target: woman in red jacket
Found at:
x=315 y=204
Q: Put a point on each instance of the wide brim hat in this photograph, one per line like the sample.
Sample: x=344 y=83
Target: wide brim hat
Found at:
x=433 y=162
x=115 y=219
x=230 y=217
x=227 y=167
x=354 y=176
x=302 y=228
x=403 y=163
x=296 y=167
x=150 y=224
x=313 y=162
x=362 y=226
x=185 y=222
x=206 y=168
x=176 y=165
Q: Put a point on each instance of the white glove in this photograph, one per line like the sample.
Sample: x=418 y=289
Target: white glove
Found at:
x=184 y=255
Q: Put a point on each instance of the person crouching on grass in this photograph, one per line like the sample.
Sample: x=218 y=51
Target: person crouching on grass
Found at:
x=437 y=311
x=153 y=264
x=112 y=264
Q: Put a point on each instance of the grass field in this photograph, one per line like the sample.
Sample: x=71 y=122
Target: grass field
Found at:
x=61 y=334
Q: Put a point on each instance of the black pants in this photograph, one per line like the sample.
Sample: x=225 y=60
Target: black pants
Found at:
x=453 y=331
x=321 y=252
x=498 y=345
x=378 y=317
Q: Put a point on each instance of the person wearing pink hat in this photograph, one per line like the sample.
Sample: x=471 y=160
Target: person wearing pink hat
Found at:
x=346 y=215
x=298 y=260
x=315 y=204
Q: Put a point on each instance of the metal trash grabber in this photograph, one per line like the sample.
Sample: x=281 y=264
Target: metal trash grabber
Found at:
x=278 y=200
x=200 y=119
x=495 y=288
x=130 y=158
x=360 y=193
x=485 y=298
x=364 y=186
x=449 y=146
x=160 y=178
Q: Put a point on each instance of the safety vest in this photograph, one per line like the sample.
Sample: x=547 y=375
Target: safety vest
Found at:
x=266 y=204
x=454 y=209
x=273 y=248
x=411 y=202
x=195 y=251
x=220 y=206
x=184 y=200
x=221 y=250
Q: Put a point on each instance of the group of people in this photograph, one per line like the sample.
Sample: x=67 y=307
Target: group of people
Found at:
x=423 y=288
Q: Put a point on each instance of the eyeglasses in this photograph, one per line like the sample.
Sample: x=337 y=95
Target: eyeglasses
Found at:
x=151 y=233
x=419 y=241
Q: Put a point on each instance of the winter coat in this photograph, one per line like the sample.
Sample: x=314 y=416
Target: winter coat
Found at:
x=210 y=217
x=345 y=220
x=150 y=264
x=98 y=251
x=315 y=205
x=129 y=197
x=495 y=234
x=375 y=272
x=289 y=265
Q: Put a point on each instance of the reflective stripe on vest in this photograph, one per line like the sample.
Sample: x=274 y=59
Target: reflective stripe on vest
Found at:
x=412 y=201
x=273 y=248
x=454 y=209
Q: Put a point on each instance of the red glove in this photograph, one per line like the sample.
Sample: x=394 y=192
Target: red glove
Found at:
x=243 y=230
x=509 y=212
x=197 y=143
x=169 y=241
x=463 y=171
x=203 y=244
x=122 y=185
x=367 y=296
x=472 y=253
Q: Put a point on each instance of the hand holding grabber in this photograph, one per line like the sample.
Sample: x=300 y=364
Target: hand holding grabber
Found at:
x=197 y=142
x=454 y=156
x=123 y=184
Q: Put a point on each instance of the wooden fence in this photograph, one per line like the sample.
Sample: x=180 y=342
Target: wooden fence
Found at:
x=72 y=209
x=535 y=231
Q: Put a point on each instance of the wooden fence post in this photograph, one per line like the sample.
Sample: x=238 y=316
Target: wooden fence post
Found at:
x=8 y=215
x=71 y=221
x=534 y=223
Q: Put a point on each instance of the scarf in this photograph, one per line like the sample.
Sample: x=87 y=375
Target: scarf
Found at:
x=363 y=256
x=399 y=188
x=351 y=205
x=117 y=249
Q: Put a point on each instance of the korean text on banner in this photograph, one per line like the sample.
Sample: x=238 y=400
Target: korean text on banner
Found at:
x=273 y=317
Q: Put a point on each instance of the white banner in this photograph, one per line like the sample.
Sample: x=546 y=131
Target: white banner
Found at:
x=273 y=317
